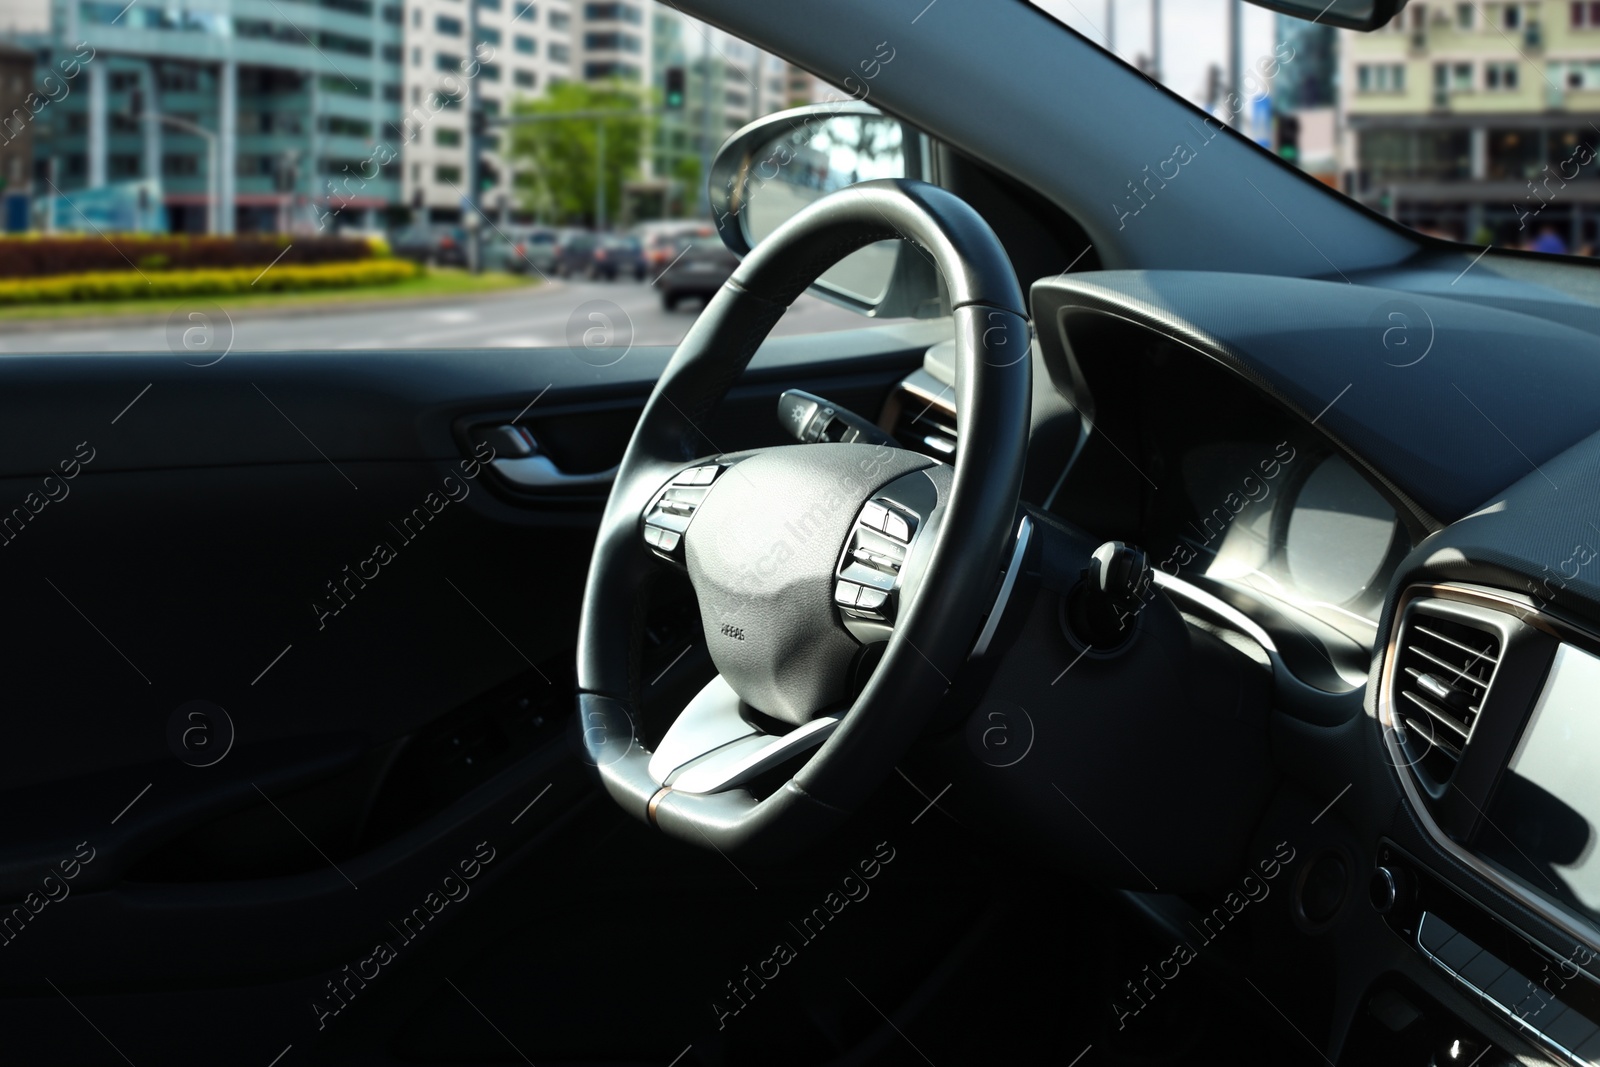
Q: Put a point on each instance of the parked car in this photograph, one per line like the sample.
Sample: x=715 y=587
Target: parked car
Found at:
x=699 y=266
x=521 y=250
x=573 y=253
x=434 y=245
x=663 y=240
x=615 y=256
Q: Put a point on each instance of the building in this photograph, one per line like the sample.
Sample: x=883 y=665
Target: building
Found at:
x=521 y=48
x=628 y=43
x=727 y=84
x=289 y=99
x=16 y=135
x=357 y=113
x=1477 y=120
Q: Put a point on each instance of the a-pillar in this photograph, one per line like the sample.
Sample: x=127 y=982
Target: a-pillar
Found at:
x=227 y=142
x=97 y=124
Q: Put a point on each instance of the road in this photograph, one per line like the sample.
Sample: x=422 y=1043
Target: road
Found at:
x=558 y=315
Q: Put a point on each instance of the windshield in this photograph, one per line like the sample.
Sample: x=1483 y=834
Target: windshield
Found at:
x=1466 y=121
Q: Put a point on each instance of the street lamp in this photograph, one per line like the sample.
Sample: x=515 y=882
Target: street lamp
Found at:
x=211 y=155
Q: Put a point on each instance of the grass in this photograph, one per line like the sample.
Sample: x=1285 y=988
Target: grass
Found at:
x=436 y=283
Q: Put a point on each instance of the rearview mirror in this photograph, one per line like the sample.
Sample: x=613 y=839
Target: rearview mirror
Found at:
x=1345 y=14
x=777 y=165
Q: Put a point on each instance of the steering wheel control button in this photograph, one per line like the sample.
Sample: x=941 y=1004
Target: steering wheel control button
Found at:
x=872 y=599
x=668 y=517
x=870 y=566
x=698 y=475
x=880 y=560
x=897 y=527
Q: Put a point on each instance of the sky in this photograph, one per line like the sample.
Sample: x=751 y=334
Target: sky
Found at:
x=1194 y=35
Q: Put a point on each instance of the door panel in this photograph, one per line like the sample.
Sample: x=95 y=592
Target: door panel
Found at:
x=306 y=543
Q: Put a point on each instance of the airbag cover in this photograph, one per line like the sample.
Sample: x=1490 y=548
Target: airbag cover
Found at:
x=761 y=555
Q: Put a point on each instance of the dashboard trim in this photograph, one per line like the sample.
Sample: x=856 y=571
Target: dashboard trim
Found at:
x=1057 y=300
x=1583 y=933
x=1506 y=1013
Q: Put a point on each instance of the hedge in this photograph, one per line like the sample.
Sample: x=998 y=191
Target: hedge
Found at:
x=130 y=285
x=36 y=256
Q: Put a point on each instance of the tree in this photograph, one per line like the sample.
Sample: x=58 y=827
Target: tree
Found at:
x=557 y=157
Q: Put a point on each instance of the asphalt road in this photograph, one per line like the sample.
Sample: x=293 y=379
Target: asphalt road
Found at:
x=556 y=315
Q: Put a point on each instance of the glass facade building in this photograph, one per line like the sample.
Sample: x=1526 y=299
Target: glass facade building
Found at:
x=294 y=97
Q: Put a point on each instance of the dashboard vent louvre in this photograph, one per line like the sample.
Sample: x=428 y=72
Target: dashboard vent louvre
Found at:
x=925 y=424
x=1445 y=670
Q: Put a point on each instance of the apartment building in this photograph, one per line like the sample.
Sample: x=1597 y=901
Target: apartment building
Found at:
x=250 y=114
x=494 y=50
x=727 y=84
x=1477 y=120
x=357 y=113
x=16 y=135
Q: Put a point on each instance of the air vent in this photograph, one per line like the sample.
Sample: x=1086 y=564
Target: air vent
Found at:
x=923 y=420
x=1442 y=679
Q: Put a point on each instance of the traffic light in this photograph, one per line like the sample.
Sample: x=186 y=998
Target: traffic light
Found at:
x=488 y=176
x=1289 y=138
x=674 y=89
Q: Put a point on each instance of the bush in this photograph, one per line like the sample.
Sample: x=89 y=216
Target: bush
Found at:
x=37 y=256
x=131 y=285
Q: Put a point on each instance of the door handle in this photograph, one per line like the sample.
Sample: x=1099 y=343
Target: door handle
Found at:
x=525 y=466
x=537 y=473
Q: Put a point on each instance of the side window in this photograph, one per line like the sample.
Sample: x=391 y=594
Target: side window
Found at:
x=484 y=153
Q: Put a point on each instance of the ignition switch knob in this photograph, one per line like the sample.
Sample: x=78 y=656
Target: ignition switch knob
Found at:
x=1102 y=608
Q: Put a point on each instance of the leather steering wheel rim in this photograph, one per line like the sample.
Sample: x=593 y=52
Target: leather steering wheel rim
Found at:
x=934 y=635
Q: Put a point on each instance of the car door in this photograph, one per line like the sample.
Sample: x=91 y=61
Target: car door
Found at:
x=290 y=641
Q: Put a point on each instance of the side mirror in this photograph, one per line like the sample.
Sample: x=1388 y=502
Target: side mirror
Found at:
x=778 y=164
x=1364 y=15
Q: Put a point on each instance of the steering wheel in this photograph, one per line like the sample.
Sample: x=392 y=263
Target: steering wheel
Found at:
x=807 y=560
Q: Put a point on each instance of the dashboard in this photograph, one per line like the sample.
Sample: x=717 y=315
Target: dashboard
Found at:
x=1404 y=547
